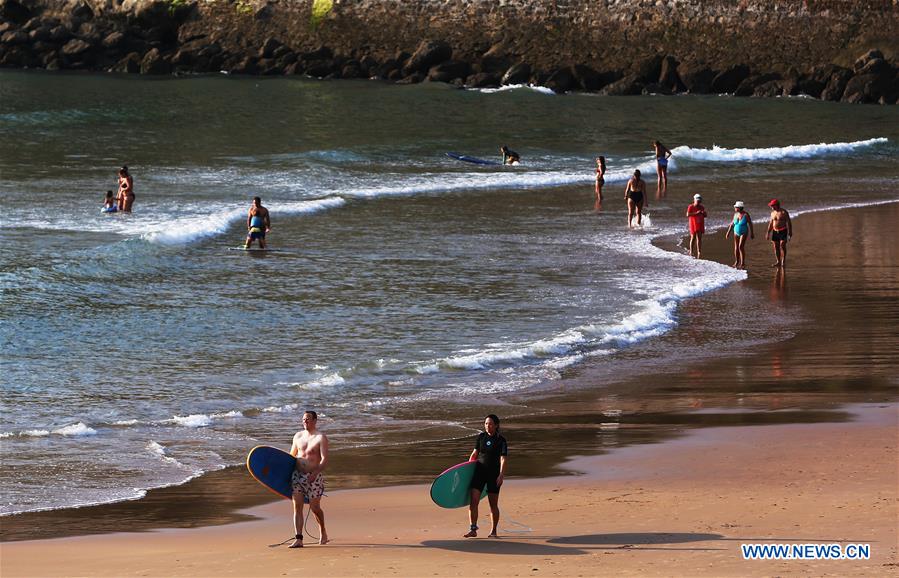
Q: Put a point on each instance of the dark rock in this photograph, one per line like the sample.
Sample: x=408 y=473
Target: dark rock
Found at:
x=295 y=68
x=517 y=74
x=14 y=57
x=729 y=80
x=697 y=77
x=449 y=71
x=287 y=59
x=388 y=66
x=810 y=87
x=561 y=80
x=247 y=65
x=395 y=75
x=320 y=53
x=495 y=60
x=428 y=53
x=321 y=68
x=627 y=86
x=876 y=66
x=413 y=78
x=60 y=34
x=483 y=80
x=369 y=65
x=39 y=35
x=14 y=11
x=280 y=52
x=267 y=50
x=88 y=32
x=863 y=60
x=867 y=88
x=769 y=89
x=113 y=40
x=52 y=64
x=154 y=63
x=836 y=84
x=82 y=11
x=269 y=67
x=75 y=47
x=351 y=69
x=649 y=70
x=656 y=88
x=748 y=86
x=13 y=37
x=668 y=77
x=129 y=64
x=6 y=26
x=586 y=78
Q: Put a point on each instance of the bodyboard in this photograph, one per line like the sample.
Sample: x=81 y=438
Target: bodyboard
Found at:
x=451 y=488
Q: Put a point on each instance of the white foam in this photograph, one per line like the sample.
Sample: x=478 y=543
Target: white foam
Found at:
x=193 y=420
x=228 y=414
x=719 y=154
x=508 y=87
x=281 y=408
x=76 y=429
x=125 y=422
x=37 y=433
x=194 y=227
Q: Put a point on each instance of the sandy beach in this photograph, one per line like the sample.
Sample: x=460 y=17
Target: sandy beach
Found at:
x=823 y=471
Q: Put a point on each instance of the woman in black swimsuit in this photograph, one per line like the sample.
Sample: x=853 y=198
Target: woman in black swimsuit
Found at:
x=635 y=193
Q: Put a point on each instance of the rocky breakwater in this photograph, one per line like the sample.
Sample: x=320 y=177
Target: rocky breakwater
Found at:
x=840 y=50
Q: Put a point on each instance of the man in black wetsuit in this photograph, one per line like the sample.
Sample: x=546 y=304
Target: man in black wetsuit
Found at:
x=510 y=157
x=490 y=450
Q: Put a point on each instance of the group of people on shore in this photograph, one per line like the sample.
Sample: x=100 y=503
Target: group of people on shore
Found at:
x=310 y=448
x=780 y=227
x=780 y=230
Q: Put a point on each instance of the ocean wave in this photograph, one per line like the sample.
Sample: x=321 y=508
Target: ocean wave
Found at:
x=186 y=229
x=508 y=87
x=719 y=154
x=192 y=420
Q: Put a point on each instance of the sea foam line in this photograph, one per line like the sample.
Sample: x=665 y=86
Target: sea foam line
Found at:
x=191 y=228
x=719 y=154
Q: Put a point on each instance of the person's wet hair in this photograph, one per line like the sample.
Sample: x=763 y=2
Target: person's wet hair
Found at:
x=637 y=173
x=257 y=200
x=309 y=411
x=493 y=417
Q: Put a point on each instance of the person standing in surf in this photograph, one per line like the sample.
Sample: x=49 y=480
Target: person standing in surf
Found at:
x=490 y=451
x=126 y=190
x=635 y=194
x=258 y=224
x=662 y=155
x=741 y=227
x=600 y=181
x=780 y=230
x=310 y=447
x=510 y=157
x=696 y=214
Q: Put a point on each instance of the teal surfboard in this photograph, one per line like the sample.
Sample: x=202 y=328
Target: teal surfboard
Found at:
x=450 y=488
x=273 y=468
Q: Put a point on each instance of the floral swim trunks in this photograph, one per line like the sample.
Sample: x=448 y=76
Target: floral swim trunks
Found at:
x=310 y=489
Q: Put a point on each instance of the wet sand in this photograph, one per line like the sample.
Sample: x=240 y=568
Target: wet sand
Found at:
x=693 y=498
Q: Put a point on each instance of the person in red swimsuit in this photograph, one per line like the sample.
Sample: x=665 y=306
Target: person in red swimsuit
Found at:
x=696 y=214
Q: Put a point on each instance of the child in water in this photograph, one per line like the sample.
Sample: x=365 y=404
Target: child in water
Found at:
x=109 y=205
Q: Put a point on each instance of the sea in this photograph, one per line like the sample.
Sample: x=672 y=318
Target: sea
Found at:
x=405 y=290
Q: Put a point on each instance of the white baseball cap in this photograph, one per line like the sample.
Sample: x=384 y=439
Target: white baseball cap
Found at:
x=739 y=205
x=697 y=196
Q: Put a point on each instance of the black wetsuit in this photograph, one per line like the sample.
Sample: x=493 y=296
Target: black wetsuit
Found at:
x=490 y=448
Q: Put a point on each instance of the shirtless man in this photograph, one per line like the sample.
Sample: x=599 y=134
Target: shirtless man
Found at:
x=780 y=230
x=310 y=447
x=258 y=224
